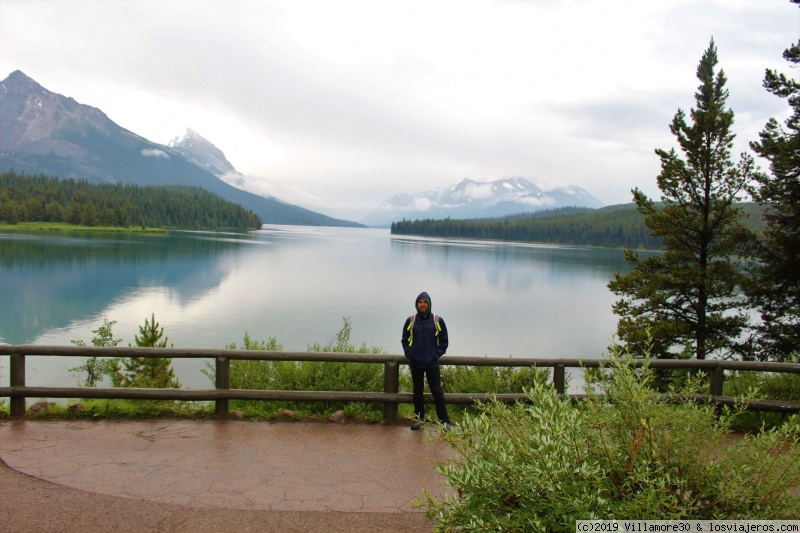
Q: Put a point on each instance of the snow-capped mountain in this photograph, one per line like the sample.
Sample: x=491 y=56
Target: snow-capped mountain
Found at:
x=475 y=199
x=202 y=153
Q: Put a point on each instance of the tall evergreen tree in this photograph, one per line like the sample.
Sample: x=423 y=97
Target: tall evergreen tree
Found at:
x=685 y=299
x=775 y=287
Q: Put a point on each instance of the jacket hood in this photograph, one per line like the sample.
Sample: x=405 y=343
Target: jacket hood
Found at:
x=423 y=296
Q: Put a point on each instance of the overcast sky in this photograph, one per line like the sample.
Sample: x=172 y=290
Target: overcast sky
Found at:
x=338 y=105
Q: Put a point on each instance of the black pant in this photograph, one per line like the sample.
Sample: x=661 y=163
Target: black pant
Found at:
x=435 y=385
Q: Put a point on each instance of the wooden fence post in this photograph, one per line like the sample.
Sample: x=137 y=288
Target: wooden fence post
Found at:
x=391 y=385
x=17 y=380
x=717 y=379
x=223 y=382
x=558 y=378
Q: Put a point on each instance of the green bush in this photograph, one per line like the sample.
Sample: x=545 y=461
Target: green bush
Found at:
x=96 y=368
x=306 y=376
x=497 y=380
x=142 y=372
x=626 y=452
x=769 y=386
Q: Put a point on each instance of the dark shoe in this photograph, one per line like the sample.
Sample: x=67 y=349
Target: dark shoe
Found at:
x=415 y=425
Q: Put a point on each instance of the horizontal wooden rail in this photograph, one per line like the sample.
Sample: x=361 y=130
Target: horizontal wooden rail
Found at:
x=245 y=394
x=265 y=355
x=390 y=397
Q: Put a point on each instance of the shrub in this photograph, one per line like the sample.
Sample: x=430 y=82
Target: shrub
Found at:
x=770 y=386
x=96 y=368
x=140 y=372
x=498 y=380
x=306 y=376
x=625 y=452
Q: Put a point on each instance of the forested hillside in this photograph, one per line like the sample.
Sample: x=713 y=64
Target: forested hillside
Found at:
x=25 y=198
x=619 y=226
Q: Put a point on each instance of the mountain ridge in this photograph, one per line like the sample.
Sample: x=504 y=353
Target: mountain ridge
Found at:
x=42 y=132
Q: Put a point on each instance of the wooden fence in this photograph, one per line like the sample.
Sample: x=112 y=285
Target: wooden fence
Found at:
x=221 y=394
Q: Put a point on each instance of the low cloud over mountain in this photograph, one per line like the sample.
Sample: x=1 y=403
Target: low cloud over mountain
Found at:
x=475 y=199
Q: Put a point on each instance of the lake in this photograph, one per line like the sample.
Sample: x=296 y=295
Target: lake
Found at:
x=296 y=284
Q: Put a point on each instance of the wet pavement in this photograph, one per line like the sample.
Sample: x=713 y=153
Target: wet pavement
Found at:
x=277 y=466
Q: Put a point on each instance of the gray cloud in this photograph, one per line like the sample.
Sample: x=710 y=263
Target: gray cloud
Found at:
x=574 y=96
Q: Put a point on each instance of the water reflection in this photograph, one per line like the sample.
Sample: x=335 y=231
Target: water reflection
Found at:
x=296 y=284
x=508 y=266
x=54 y=280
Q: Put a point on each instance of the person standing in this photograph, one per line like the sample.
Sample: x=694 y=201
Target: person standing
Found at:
x=424 y=342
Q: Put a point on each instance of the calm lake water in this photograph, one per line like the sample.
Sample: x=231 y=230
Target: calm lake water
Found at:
x=296 y=284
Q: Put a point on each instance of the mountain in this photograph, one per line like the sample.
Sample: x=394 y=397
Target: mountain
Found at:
x=475 y=199
x=42 y=132
x=202 y=153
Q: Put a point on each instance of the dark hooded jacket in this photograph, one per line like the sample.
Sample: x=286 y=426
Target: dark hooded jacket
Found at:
x=420 y=343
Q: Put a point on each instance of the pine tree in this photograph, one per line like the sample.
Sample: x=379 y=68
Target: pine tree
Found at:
x=775 y=282
x=686 y=300
x=149 y=372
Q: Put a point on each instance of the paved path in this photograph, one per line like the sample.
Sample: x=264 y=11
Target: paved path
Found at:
x=350 y=471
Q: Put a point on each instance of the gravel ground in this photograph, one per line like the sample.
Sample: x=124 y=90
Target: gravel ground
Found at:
x=28 y=504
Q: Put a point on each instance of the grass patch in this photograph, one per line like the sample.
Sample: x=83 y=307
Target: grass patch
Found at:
x=102 y=409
